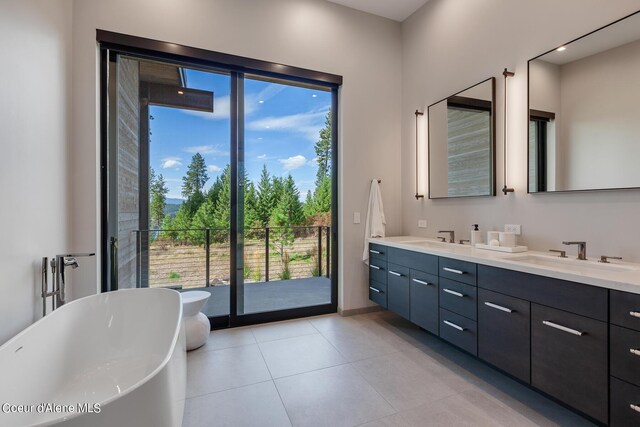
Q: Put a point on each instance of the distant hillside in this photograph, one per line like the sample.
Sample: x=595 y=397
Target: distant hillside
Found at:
x=172 y=207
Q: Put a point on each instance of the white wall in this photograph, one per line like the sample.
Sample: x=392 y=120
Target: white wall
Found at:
x=448 y=45
x=34 y=135
x=313 y=34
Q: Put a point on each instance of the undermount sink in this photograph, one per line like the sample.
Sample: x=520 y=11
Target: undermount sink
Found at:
x=573 y=265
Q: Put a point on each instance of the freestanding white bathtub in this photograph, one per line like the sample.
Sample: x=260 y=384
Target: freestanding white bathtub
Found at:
x=114 y=359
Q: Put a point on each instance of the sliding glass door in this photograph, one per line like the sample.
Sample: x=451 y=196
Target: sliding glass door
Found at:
x=218 y=180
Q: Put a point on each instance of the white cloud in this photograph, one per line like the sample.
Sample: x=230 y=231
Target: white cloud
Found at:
x=294 y=162
x=308 y=124
x=206 y=149
x=214 y=168
x=171 y=162
x=262 y=157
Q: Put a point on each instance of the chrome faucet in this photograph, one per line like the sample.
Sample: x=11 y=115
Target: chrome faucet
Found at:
x=58 y=291
x=582 y=249
x=452 y=235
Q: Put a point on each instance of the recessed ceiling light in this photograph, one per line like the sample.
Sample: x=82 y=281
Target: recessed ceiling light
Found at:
x=561 y=48
x=180 y=92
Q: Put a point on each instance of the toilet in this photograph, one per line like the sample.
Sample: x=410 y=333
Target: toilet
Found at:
x=196 y=324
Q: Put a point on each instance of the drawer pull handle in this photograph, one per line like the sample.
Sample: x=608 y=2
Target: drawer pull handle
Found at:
x=634 y=313
x=449 y=291
x=375 y=267
x=498 y=307
x=376 y=290
x=634 y=407
x=422 y=282
x=634 y=351
x=375 y=252
x=453 y=325
x=562 y=328
x=453 y=270
x=395 y=274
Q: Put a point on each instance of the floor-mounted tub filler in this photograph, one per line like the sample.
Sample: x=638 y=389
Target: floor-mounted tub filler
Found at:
x=114 y=359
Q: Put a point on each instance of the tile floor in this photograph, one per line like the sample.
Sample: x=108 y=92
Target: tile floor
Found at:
x=371 y=370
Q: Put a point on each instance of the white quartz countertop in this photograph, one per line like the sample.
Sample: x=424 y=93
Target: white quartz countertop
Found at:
x=622 y=276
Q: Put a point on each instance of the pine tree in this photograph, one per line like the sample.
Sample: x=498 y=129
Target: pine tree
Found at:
x=158 y=194
x=222 y=209
x=323 y=151
x=250 y=206
x=288 y=211
x=195 y=179
x=309 y=206
x=265 y=198
x=322 y=198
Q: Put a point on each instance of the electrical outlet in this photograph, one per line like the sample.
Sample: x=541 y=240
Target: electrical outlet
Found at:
x=356 y=217
x=422 y=223
x=513 y=228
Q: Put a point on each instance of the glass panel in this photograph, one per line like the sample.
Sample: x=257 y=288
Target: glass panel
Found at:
x=286 y=203
x=189 y=149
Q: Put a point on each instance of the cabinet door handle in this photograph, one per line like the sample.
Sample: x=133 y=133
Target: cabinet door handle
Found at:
x=634 y=314
x=422 y=282
x=453 y=270
x=453 y=325
x=634 y=407
x=375 y=267
x=634 y=351
x=562 y=328
x=449 y=291
x=498 y=307
x=376 y=290
x=375 y=252
x=395 y=274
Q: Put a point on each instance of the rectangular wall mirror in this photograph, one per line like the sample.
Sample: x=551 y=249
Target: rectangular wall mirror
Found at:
x=462 y=143
x=584 y=114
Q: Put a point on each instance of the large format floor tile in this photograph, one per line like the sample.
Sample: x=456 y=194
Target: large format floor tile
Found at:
x=334 y=397
x=280 y=330
x=299 y=354
x=218 y=370
x=250 y=406
x=226 y=338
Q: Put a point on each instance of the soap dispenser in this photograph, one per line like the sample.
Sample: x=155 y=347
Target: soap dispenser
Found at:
x=476 y=235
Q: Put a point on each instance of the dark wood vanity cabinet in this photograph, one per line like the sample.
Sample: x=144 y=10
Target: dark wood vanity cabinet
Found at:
x=504 y=335
x=569 y=359
x=424 y=300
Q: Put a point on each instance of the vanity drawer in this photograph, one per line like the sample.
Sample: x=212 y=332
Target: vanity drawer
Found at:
x=459 y=298
x=398 y=289
x=569 y=359
x=625 y=354
x=504 y=333
x=578 y=298
x=459 y=331
x=625 y=404
x=414 y=260
x=378 y=293
x=460 y=271
x=377 y=251
x=424 y=300
x=377 y=271
x=625 y=309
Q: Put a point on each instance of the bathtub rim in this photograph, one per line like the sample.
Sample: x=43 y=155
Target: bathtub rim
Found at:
x=138 y=384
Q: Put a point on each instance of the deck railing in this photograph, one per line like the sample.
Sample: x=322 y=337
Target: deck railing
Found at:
x=200 y=257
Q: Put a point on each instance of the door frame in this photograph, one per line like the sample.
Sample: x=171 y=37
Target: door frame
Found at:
x=237 y=67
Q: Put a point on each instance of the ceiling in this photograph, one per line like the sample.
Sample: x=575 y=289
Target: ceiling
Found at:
x=398 y=10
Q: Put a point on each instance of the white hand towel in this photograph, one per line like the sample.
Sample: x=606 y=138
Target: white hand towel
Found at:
x=376 y=222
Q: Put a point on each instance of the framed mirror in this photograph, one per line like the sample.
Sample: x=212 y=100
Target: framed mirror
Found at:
x=462 y=143
x=584 y=112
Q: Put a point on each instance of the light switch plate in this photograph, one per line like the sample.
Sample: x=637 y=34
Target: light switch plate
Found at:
x=356 y=217
x=513 y=228
x=422 y=223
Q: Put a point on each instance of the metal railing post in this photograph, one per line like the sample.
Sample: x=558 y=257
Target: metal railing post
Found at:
x=207 y=250
x=266 y=256
x=328 y=251
x=319 y=251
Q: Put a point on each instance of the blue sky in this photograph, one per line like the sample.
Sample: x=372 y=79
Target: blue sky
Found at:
x=282 y=124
